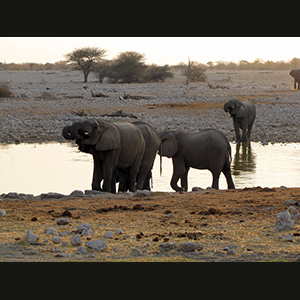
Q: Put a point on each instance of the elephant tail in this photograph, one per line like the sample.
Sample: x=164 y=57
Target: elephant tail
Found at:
x=160 y=159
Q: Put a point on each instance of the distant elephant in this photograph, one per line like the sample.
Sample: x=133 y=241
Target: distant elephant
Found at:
x=113 y=146
x=206 y=149
x=296 y=75
x=152 y=144
x=243 y=114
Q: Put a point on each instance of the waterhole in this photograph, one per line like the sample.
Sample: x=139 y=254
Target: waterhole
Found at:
x=52 y=167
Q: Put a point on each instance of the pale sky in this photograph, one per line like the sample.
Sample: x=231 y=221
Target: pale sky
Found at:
x=158 y=50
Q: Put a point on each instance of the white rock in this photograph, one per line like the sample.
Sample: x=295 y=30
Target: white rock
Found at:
x=31 y=237
x=96 y=245
x=82 y=227
x=51 y=231
x=81 y=250
x=56 y=240
x=75 y=240
x=2 y=213
x=62 y=221
x=284 y=221
x=108 y=234
x=295 y=215
x=288 y=237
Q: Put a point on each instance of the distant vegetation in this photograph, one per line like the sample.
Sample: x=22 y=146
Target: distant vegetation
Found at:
x=130 y=66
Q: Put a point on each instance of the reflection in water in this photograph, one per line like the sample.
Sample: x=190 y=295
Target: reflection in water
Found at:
x=62 y=168
x=245 y=161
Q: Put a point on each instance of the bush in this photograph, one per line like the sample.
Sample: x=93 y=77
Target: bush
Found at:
x=5 y=91
x=156 y=73
x=128 y=67
x=194 y=72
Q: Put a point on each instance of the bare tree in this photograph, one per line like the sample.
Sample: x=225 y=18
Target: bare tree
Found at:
x=85 y=58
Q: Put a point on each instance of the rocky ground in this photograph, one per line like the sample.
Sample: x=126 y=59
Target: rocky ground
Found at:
x=205 y=226
x=208 y=225
x=46 y=101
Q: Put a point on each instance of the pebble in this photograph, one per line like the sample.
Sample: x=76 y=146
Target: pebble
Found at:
x=96 y=245
x=109 y=234
x=136 y=252
x=83 y=227
x=81 y=250
x=118 y=231
x=2 y=213
x=284 y=221
x=166 y=247
x=51 y=231
x=142 y=193
x=189 y=247
x=56 y=240
x=31 y=237
x=62 y=221
x=295 y=215
x=288 y=237
x=75 y=240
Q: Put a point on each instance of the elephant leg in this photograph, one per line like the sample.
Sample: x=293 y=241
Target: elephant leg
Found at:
x=249 y=130
x=178 y=172
x=244 y=130
x=97 y=174
x=295 y=84
x=215 y=183
x=184 y=180
x=143 y=177
x=122 y=174
x=109 y=169
x=227 y=174
x=237 y=131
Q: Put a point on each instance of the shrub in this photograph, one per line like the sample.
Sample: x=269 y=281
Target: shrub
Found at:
x=128 y=67
x=156 y=73
x=5 y=91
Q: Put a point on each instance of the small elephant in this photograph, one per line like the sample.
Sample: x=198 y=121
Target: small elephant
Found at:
x=113 y=146
x=243 y=114
x=206 y=149
x=296 y=75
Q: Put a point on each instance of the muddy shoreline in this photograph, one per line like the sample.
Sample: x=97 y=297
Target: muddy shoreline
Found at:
x=45 y=102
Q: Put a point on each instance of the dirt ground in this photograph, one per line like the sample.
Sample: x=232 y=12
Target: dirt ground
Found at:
x=225 y=225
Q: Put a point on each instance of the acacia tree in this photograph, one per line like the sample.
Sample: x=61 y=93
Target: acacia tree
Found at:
x=129 y=67
x=85 y=58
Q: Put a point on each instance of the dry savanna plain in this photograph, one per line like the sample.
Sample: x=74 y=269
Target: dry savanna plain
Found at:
x=207 y=225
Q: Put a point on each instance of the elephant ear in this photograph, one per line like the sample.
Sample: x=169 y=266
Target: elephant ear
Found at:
x=110 y=138
x=236 y=105
x=169 y=144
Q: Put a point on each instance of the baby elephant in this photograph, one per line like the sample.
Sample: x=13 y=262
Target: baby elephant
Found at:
x=207 y=149
x=243 y=114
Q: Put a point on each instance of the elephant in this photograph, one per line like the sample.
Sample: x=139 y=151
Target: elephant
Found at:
x=206 y=149
x=243 y=114
x=295 y=73
x=152 y=144
x=113 y=146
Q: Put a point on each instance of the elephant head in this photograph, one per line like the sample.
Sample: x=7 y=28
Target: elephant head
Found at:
x=169 y=144
x=233 y=107
x=100 y=134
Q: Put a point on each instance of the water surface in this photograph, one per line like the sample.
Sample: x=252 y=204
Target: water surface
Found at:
x=62 y=168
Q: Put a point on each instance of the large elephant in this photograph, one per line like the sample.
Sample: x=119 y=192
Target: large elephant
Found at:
x=243 y=114
x=113 y=146
x=207 y=149
x=295 y=73
x=152 y=144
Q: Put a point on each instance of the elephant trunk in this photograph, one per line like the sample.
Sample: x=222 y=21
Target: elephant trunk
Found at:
x=67 y=133
x=227 y=107
x=79 y=131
